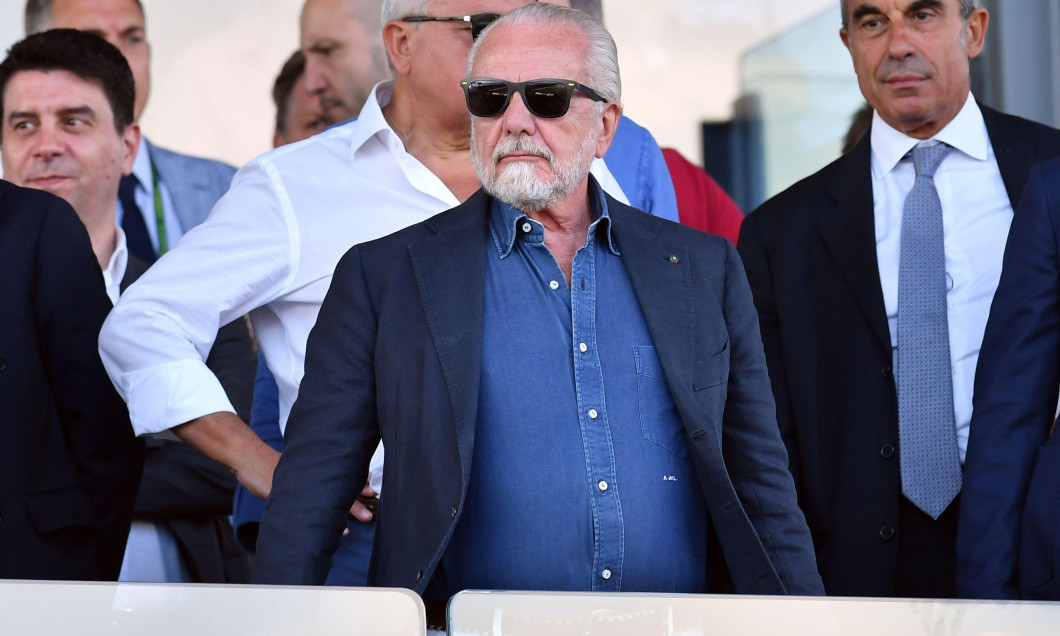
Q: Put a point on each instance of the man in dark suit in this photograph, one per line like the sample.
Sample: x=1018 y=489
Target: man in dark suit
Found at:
x=879 y=268
x=541 y=338
x=69 y=463
x=1006 y=541
x=68 y=100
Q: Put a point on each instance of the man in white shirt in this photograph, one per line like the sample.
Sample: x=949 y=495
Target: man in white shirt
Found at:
x=864 y=324
x=271 y=244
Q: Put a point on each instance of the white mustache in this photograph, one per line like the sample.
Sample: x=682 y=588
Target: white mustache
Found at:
x=520 y=145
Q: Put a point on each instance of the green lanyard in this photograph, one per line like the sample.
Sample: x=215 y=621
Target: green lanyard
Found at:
x=160 y=221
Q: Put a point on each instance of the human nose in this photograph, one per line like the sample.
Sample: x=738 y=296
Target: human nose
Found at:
x=316 y=80
x=900 y=40
x=49 y=143
x=518 y=118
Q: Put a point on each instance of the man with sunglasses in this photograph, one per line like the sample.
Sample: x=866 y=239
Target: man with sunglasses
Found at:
x=551 y=372
x=271 y=245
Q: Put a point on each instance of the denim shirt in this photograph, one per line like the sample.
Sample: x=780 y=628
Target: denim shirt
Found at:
x=581 y=478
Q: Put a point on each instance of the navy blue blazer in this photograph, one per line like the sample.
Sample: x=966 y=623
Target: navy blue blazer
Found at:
x=69 y=462
x=396 y=352
x=810 y=254
x=1008 y=542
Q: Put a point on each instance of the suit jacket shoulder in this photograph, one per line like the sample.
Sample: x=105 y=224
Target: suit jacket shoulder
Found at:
x=1019 y=144
x=195 y=184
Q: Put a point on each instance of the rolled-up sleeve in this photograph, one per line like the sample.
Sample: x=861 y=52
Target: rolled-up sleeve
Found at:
x=156 y=339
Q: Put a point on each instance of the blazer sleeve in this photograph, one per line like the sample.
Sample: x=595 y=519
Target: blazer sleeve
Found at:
x=754 y=452
x=1015 y=396
x=71 y=305
x=329 y=440
x=753 y=252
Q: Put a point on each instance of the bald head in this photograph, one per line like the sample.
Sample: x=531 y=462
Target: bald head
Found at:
x=345 y=56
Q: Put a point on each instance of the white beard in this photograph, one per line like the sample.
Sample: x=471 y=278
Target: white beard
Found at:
x=518 y=184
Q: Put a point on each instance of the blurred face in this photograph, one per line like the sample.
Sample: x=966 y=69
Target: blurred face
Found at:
x=528 y=161
x=438 y=54
x=343 y=58
x=305 y=116
x=119 y=22
x=59 y=136
x=911 y=58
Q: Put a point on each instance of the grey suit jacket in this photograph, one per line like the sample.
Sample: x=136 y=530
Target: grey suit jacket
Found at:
x=194 y=183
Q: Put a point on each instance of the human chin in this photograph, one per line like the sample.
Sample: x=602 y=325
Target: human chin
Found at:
x=519 y=185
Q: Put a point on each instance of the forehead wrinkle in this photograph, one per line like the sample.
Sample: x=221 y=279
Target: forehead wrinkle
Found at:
x=495 y=52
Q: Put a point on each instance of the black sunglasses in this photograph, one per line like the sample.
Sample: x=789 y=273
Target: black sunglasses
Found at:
x=548 y=98
x=478 y=21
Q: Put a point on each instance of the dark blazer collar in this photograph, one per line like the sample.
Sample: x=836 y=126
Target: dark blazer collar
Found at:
x=450 y=269
x=1014 y=150
x=848 y=228
x=657 y=264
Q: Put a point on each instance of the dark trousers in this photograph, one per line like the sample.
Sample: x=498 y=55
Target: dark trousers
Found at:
x=927 y=552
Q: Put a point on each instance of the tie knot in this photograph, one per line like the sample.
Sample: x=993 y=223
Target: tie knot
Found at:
x=928 y=156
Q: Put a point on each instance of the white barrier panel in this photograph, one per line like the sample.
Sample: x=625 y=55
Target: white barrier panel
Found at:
x=476 y=613
x=136 y=609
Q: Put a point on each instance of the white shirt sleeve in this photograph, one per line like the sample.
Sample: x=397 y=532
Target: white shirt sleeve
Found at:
x=156 y=339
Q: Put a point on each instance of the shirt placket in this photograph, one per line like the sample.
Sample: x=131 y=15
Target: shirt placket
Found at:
x=595 y=432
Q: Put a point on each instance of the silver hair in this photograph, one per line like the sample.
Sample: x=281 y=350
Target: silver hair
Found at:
x=601 y=56
x=397 y=9
x=967 y=7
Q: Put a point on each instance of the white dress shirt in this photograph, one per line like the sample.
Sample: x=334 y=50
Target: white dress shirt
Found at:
x=269 y=248
x=976 y=214
x=145 y=200
x=114 y=272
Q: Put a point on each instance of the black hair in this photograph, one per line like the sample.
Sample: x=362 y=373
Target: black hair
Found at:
x=87 y=56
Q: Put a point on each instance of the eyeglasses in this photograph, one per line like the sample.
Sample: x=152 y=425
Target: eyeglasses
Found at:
x=478 y=21
x=548 y=98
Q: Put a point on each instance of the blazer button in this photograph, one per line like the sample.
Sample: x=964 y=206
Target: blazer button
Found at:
x=887 y=533
x=886 y=372
x=419 y=575
x=454 y=512
x=887 y=451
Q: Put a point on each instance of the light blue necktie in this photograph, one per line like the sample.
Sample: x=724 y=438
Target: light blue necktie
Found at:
x=927 y=435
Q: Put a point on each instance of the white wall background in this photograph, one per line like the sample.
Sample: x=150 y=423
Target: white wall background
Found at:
x=214 y=62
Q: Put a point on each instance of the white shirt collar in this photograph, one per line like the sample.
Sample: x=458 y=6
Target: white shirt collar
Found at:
x=966 y=132
x=114 y=272
x=370 y=121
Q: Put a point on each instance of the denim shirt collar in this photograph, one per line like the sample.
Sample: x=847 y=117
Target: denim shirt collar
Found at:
x=507 y=223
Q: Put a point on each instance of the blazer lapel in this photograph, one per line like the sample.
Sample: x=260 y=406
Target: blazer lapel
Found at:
x=661 y=279
x=188 y=187
x=849 y=232
x=1015 y=153
x=450 y=272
